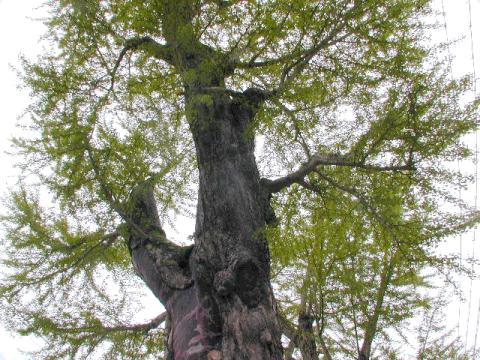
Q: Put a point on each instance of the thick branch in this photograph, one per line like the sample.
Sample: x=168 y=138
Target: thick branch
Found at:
x=169 y=259
x=299 y=175
x=146 y=235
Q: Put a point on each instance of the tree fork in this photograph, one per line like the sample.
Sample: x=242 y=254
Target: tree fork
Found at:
x=219 y=299
x=165 y=268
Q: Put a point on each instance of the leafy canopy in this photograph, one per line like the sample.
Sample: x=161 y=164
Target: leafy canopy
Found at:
x=355 y=87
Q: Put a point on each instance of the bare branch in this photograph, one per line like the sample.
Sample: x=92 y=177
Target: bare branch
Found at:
x=145 y=327
x=152 y=324
x=298 y=176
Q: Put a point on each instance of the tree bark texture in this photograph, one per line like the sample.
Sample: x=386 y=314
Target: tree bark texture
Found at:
x=217 y=293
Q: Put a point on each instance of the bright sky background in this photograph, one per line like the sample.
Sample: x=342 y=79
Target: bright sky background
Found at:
x=19 y=33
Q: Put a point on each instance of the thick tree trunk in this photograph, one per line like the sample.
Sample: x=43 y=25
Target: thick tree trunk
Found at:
x=231 y=258
x=218 y=294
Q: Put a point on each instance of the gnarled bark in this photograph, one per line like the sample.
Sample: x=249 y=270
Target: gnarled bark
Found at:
x=231 y=252
x=217 y=293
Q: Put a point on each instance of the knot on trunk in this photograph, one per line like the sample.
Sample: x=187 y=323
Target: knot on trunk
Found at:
x=172 y=276
x=243 y=276
x=257 y=324
x=248 y=282
x=266 y=337
x=224 y=282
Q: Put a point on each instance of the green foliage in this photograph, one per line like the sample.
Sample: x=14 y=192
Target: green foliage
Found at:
x=355 y=242
x=59 y=285
x=435 y=341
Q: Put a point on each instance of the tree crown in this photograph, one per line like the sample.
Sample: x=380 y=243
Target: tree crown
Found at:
x=356 y=121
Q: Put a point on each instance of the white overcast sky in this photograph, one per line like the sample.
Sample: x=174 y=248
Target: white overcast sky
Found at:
x=19 y=34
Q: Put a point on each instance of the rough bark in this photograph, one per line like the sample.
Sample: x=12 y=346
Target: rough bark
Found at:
x=218 y=293
x=306 y=340
x=231 y=251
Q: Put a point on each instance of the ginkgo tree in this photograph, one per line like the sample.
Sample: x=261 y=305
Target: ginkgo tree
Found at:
x=310 y=140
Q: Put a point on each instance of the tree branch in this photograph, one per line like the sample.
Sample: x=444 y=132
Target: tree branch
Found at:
x=147 y=44
x=145 y=232
x=152 y=324
x=299 y=58
x=306 y=339
x=290 y=332
x=298 y=134
x=296 y=61
x=320 y=321
x=325 y=351
x=67 y=271
x=353 y=305
x=225 y=3
x=371 y=327
x=274 y=186
x=109 y=196
x=169 y=259
x=352 y=191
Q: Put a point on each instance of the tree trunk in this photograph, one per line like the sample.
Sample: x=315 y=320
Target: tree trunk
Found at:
x=218 y=294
